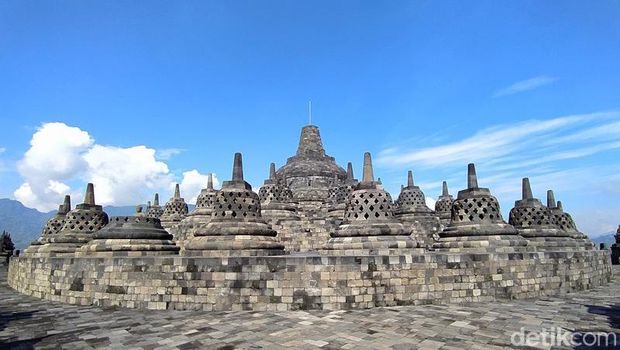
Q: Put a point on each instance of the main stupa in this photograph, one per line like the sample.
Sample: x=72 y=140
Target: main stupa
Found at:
x=310 y=172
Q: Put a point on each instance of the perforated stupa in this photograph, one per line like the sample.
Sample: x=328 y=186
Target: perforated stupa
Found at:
x=412 y=210
x=476 y=222
x=52 y=227
x=565 y=222
x=340 y=196
x=79 y=226
x=536 y=222
x=154 y=210
x=443 y=205
x=198 y=218
x=236 y=227
x=369 y=224
x=175 y=210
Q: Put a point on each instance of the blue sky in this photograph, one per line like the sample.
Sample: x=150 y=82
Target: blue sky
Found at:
x=148 y=91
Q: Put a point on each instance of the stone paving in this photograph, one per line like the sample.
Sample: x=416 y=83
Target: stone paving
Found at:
x=27 y=323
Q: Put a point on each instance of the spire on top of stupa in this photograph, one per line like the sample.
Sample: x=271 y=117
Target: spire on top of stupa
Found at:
x=310 y=144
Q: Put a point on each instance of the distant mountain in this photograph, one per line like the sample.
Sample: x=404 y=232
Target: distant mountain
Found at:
x=607 y=238
x=25 y=224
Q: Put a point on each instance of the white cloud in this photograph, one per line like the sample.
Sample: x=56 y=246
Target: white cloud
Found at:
x=123 y=176
x=62 y=158
x=525 y=85
x=2 y=150
x=192 y=183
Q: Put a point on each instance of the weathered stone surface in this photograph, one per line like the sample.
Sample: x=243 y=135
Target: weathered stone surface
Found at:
x=412 y=211
x=565 y=222
x=488 y=325
x=369 y=223
x=276 y=199
x=310 y=172
x=52 y=227
x=307 y=282
x=80 y=223
x=236 y=227
x=137 y=235
x=198 y=219
x=476 y=223
x=536 y=222
x=443 y=206
x=155 y=210
x=339 y=196
x=175 y=210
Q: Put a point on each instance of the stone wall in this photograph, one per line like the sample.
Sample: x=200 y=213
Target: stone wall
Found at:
x=306 y=282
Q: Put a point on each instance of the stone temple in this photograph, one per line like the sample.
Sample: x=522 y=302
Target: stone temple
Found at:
x=311 y=237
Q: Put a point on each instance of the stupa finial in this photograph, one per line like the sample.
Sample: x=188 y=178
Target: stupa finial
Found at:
x=177 y=191
x=138 y=210
x=272 y=171
x=237 y=174
x=156 y=200
x=550 y=199
x=560 y=206
x=210 y=181
x=526 y=190
x=368 y=175
x=66 y=205
x=89 y=196
x=444 y=191
x=472 y=179
x=349 y=171
x=409 y=178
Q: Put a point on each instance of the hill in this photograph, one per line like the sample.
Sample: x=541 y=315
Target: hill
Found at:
x=25 y=224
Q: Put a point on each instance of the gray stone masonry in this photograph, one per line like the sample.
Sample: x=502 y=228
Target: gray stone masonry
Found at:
x=412 y=211
x=80 y=223
x=52 y=227
x=369 y=225
x=236 y=227
x=476 y=223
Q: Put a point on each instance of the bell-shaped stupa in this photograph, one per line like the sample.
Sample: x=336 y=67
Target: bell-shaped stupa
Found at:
x=137 y=235
x=412 y=211
x=564 y=221
x=154 y=210
x=198 y=218
x=339 y=198
x=236 y=227
x=309 y=173
x=78 y=228
x=175 y=210
x=52 y=227
x=369 y=225
x=476 y=223
x=536 y=222
x=443 y=205
x=276 y=199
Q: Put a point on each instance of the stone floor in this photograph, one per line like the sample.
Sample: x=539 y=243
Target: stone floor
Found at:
x=27 y=323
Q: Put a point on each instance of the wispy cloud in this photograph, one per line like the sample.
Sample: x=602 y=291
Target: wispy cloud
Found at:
x=167 y=153
x=486 y=145
x=570 y=154
x=2 y=150
x=525 y=85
